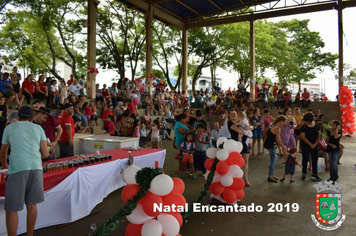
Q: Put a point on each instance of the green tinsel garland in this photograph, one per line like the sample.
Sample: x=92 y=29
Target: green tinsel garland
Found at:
x=203 y=193
x=144 y=178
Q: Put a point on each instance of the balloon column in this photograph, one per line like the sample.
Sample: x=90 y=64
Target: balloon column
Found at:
x=146 y=220
x=348 y=118
x=227 y=181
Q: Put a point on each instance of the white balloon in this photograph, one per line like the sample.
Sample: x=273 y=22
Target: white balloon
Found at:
x=169 y=224
x=161 y=185
x=220 y=141
x=152 y=228
x=138 y=216
x=239 y=147
x=235 y=171
x=226 y=180
x=348 y=124
x=222 y=154
x=216 y=178
x=206 y=175
x=211 y=152
x=230 y=145
x=130 y=174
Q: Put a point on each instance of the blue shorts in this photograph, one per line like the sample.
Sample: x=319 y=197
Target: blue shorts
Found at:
x=257 y=134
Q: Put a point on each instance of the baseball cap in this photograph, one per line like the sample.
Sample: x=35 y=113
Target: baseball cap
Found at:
x=67 y=105
x=25 y=112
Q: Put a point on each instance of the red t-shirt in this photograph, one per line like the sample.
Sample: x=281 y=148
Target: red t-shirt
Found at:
x=111 y=127
x=65 y=119
x=275 y=90
x=30 y=86
x=51 y=125
x=69 y=82
x=105 y=93
x=131 y=107
x=306 y=95
x=105 y=116
x=42 y=85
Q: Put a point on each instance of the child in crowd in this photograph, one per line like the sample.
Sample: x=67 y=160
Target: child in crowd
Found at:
x=187 y=149
x=245 y=126
x=112 y=129
x=155 y=127
x=165 y=131
x=54 y=92
x=290 y=165
x=333 y=149
x=201 y=142
x=63 y=90
x=210 y=114
x=93 y=115
x=143 y=135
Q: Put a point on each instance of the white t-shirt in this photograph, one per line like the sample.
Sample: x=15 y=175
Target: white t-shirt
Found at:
x=53 y=88
x=75 y=89
x=224 y=128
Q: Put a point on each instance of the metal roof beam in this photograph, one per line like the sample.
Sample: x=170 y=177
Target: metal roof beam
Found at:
x=156 y=12
x=266 y=15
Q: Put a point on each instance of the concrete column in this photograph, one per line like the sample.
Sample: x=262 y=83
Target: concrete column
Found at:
x=252 y=59
x=341 y=43
x=91 y=48
x=184 y=60
x=148 y=25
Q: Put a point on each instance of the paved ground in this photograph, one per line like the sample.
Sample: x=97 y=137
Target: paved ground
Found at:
x=261 y=193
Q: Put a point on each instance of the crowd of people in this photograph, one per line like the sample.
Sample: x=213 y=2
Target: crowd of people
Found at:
x=67 y=112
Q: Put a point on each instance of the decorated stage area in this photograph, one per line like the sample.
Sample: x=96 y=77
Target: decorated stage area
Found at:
x=261 y=193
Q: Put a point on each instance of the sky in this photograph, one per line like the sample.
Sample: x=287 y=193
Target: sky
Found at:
x=326 y=23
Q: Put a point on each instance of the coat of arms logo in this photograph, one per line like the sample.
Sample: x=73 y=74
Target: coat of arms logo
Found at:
x=328 y=206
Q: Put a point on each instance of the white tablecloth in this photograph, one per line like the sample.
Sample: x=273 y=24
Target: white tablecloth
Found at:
x=78 y=194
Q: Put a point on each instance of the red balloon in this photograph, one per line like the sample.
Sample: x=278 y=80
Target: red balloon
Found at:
x=234 y=158
x=222 y=167
x=217 y=188
x=178 y=186
x=240 y=194
x=179 y=218
x=237 y=184
x=174 y=198
x=229 y=195
x=208 y=164
x=148 y=203
x=133 y=230
x=129 y=192
x=241 y=162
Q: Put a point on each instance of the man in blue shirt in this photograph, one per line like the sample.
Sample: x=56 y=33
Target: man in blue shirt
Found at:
x=6 y=89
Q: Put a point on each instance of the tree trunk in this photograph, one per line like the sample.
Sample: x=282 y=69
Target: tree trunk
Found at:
x=299 y=86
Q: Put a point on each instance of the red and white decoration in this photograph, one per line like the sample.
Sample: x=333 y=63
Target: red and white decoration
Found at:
x=144 y=220
x=227 y=184
x=348 y=117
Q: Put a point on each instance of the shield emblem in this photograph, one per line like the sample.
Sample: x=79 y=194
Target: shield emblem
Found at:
x=328 y=208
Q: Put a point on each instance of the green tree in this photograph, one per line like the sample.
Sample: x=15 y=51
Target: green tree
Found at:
x=350 y=75
x=122 y=36
x=167 y=46
x=307 y=51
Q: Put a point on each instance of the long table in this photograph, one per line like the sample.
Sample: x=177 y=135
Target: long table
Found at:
x=73 y=193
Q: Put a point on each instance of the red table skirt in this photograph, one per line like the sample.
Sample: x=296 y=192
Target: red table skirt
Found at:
x=53 y=178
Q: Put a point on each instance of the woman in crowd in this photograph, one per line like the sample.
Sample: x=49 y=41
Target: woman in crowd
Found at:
x=146 y=118
x=333 y=140
x=180 y=131
x=310 y=135
x=28 y=88
x=223 y=119
x=41 y=91
x=235 y=131
x=287 y=134
x=272 y=139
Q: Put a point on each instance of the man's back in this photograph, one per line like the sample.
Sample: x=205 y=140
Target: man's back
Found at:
x=24 y=138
